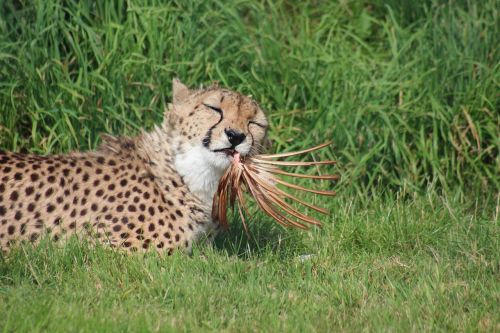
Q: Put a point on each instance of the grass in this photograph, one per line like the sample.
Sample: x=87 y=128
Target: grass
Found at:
x=406 y=90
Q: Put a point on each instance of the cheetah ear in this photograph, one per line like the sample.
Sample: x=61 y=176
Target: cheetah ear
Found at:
x=180 y=91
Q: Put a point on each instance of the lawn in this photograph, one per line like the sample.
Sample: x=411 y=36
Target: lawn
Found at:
x=408 y=92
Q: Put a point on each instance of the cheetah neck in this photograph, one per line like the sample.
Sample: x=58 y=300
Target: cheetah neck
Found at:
x=168 y=155
x=201 y=177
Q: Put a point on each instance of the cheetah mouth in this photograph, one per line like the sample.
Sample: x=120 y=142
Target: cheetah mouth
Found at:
x=227 y=151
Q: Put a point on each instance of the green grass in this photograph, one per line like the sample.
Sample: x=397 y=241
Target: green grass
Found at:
x=408 y=91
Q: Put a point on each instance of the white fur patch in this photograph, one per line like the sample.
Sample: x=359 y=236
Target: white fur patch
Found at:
x=201 y=169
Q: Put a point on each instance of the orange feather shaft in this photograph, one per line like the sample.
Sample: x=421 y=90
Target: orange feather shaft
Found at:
x=295 y=153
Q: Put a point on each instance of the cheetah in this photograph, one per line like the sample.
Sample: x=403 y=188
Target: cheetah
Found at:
x=151 y=191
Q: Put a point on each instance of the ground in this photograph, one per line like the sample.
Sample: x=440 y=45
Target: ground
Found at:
x=407 y=91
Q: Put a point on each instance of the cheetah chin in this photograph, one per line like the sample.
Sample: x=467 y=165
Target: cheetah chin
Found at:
x=152 y=191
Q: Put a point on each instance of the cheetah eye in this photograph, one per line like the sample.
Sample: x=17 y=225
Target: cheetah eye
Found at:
x=251 y=122
x=216 y=109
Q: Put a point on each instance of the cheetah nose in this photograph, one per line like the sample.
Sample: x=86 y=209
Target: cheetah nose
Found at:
x=235 y=137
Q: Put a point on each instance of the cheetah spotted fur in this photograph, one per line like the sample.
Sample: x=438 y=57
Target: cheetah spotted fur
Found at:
x=152 y=191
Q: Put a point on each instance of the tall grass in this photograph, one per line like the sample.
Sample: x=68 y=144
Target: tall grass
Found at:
x=408 y=91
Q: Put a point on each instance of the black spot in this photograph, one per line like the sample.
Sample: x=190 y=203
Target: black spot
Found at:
x=11 y=229
x=50 y=208
x=151 y=211
x=18 y=176
x=29 y=190
x=14 y=196
x=49 y=192
x=4 y=159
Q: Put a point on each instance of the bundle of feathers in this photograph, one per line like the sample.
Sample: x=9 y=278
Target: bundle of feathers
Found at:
x=258 y=175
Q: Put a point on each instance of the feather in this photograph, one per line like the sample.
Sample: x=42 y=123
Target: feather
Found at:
x=258 y=175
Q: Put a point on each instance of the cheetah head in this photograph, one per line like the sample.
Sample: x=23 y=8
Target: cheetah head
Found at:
x=212 y=125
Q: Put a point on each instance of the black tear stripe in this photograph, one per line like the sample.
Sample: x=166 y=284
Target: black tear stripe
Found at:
x=208 y=137
x=253 y=140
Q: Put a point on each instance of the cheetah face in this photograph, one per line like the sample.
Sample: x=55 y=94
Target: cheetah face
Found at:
x=217 y=123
